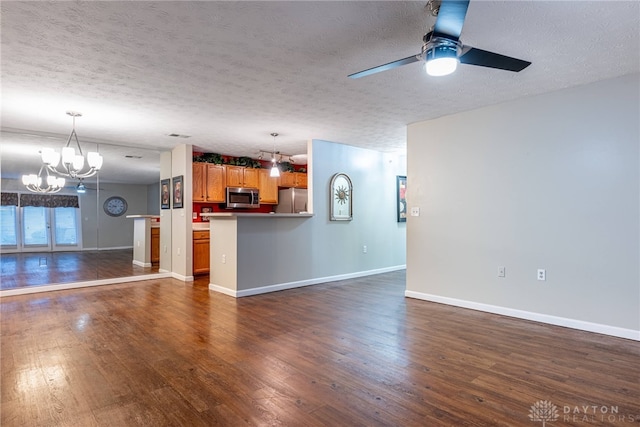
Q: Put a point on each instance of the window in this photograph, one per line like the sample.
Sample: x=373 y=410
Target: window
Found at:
x=8 y=226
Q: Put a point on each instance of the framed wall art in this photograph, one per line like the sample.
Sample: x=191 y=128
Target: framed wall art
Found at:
x=165 y=194
x=341 y=198
x=401 y=190
x=177 y=192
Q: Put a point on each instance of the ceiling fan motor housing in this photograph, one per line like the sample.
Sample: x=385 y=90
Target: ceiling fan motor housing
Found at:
x=440 y=47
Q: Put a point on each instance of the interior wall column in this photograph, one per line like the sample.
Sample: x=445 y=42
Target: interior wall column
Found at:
x=181 y=222
x=165 y=217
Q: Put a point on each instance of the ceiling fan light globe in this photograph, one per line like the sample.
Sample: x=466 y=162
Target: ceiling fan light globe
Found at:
x=441 y=66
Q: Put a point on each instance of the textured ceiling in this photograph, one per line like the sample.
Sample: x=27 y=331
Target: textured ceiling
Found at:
x=229 y=73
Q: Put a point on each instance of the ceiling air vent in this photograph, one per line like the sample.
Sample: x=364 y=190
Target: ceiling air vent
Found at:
x=177 y=135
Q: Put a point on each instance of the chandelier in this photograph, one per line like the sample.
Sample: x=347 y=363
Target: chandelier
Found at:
x=34 y=182
x=68 y=163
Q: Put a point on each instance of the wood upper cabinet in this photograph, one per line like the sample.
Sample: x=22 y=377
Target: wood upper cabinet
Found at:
x=239 y=176
x=301 y=179
x=201 y=256
x=199 y=182
x=287 y=179
x=216 y=183
x=268 y=187
x=293 y=179
x=209 y=183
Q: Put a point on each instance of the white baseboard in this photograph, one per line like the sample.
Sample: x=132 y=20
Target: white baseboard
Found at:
x=300 y=283
x=181 y=277
x=528 y=315
x=76 y=285
x=141 y=264
x=107 y=249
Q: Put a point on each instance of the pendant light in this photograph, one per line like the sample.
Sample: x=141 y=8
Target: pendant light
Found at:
x=67 y=162
x=275 y=172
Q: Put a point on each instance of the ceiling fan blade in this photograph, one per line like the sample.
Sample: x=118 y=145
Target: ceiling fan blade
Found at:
x=390 y=65
x=451 y=18
x=483 y=58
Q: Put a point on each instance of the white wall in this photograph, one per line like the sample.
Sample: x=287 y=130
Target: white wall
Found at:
x=113 y=232
x=153 y=199
x=181 y=222
x=551 y=182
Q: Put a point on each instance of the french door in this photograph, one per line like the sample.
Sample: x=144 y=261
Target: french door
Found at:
x=39 y=229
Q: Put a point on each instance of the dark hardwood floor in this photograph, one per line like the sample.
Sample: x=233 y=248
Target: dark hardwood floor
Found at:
x=348 y=353
x=29 y=269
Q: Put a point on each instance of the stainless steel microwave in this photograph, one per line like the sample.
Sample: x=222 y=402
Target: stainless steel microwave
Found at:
x=242 y=198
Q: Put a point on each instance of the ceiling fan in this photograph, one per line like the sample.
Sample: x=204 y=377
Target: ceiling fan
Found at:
x=442 y=49
x=81 y=187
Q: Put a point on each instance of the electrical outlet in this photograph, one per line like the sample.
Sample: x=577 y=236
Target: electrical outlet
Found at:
x=502 y=272
x=364 y=249
x=178 y=251
x=542 y=274
x=415 y=211
x=224 y=259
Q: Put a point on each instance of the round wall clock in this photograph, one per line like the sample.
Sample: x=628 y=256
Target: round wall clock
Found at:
x=341 y=197
x=115 y=206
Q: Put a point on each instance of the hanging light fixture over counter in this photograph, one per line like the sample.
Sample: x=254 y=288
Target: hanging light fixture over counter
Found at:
x=68 y=163
x=275 y=172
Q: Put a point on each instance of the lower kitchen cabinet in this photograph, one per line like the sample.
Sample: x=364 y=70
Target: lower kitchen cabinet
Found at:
x=201 y=254
x=155 y=245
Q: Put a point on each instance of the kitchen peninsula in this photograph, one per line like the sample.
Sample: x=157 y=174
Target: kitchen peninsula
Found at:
x=146 y=239
x=253 y=253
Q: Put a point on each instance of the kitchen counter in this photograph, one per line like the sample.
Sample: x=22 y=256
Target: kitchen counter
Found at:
x=146 y=239
x=256 y=215
x=269 y=243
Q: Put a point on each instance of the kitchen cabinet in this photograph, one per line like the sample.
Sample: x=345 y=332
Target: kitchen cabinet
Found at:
x=155 y=245
x=209 y=183
x=216 y=180
x=268 y=187
x=199 y=182
x=301 y=179
x=293 y=180
x=239 y=176
x=287 y=179
x=201 y=255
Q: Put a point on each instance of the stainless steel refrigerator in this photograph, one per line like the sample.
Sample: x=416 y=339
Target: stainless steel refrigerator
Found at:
x=292 y=200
